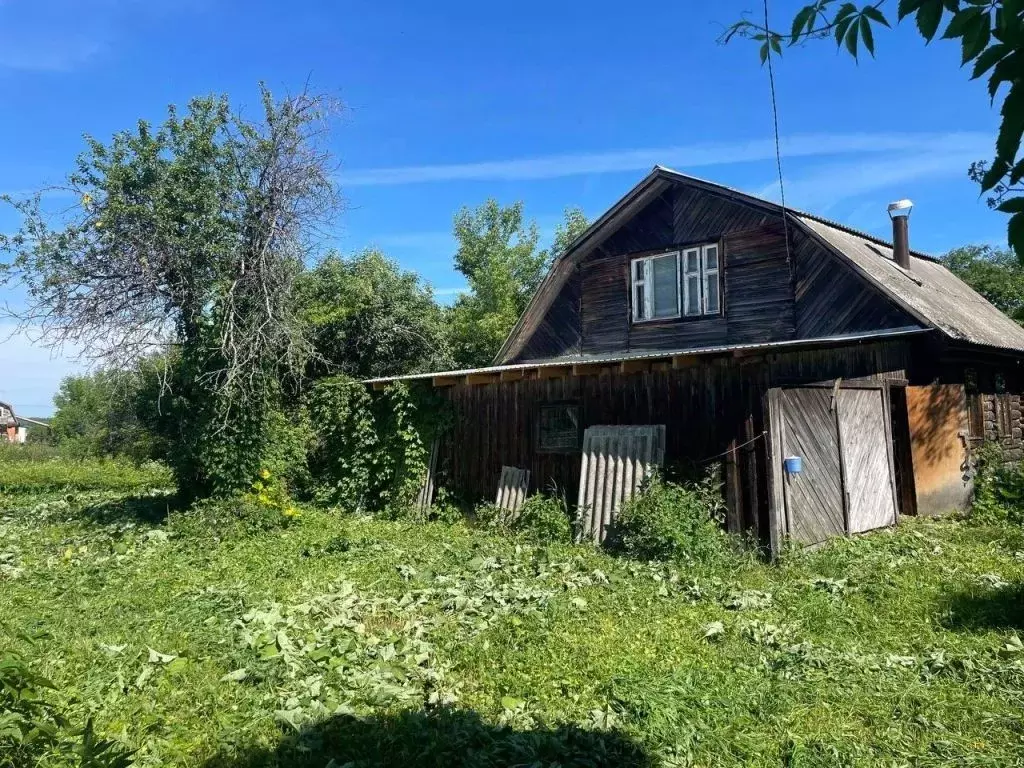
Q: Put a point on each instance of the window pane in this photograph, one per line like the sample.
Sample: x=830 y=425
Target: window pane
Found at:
x=666 y=291
x=693 y=294
x=559 y=428
x=692 y=259
x=638 y=302
x=711 y=294
x=711 y=257
x=638 y=269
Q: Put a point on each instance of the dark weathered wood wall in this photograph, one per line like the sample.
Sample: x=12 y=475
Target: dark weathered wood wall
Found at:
x=770 y=292
x=831 y=298
x=706 y=409
x=757 y=290
x=558 y=332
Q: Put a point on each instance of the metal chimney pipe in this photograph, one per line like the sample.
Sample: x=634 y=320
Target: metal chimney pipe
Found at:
x=899 y=212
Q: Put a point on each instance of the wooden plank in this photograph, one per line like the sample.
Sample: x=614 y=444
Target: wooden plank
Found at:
x=446 y=381
x=589 y=369
x=476 y=379
x=868 y=460
x=814 y=497
x=776 y=498
x=685 y=361
x=634 y=366
x=554 y=371
x=889 y=446
x=513 y=375
x=380 y=385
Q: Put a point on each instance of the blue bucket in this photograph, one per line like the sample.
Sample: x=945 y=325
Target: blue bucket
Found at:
x=794 y=464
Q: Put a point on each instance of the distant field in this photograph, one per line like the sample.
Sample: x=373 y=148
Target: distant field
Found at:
x=377 y=643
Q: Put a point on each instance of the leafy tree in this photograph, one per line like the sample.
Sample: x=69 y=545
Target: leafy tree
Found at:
x=188 y=237
x=369 y=318
x=991 y=35
x=994 y=273
x=498 y=254
x=96 y=416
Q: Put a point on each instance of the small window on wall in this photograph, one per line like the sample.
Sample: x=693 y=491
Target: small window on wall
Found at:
x=975 y=407
x=656 y=287
x=558 y=428
x=701 y=289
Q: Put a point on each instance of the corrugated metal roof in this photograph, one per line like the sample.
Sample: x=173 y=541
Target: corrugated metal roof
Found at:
x=929 y=290
x=851 y=338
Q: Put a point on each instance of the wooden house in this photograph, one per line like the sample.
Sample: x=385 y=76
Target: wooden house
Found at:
x=753 y=333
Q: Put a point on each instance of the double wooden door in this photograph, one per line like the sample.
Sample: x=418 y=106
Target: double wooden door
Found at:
x=847 y=483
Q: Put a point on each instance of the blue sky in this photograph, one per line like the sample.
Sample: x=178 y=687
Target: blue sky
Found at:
x=556 y=104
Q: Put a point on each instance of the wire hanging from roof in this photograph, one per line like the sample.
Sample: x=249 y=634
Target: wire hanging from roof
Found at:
x=775 y=123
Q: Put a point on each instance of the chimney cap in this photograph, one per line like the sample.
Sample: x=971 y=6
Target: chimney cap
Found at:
x=901 y=207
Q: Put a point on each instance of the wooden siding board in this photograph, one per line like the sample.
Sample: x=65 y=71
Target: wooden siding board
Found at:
x=558 y=333
x=831 y=298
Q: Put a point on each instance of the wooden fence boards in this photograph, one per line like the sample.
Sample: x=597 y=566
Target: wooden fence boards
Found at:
x=863 y=432
x=616 y=462
x=814 y=497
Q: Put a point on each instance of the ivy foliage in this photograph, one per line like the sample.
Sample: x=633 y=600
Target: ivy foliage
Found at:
x=369 y=451
x=991 y=38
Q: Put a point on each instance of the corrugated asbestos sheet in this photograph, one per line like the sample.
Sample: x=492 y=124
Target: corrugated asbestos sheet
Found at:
x=512 y=489
x=616 y=461
x=928 y=290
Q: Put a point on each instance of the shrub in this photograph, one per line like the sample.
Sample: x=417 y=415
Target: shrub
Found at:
x=998 y=488
x=542 y=517
x=266 y=508
x=673 y=522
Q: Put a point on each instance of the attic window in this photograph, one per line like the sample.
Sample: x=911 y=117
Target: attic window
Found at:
x=656 y=287
x=670 y=285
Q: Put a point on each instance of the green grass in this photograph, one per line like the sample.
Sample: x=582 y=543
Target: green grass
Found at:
x=382 y=643
x=34 y=469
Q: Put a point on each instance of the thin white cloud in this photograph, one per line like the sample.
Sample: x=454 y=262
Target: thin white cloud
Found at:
x=451 y=291
x=49 y=55
x=682 y=156
x=826 y=185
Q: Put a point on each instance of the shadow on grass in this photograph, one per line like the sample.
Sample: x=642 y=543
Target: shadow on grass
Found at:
x=992 y=609
x=456 y=738
x=150 y=509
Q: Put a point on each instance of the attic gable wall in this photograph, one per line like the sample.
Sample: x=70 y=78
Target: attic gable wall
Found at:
x=770 y=293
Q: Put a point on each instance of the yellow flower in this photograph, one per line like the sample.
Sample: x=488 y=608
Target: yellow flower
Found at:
x=291 y=512
x=265 y=474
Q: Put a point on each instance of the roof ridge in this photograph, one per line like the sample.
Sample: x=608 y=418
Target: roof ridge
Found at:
x=790 y=210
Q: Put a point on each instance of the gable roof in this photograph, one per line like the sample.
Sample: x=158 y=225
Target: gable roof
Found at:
x=930 y=293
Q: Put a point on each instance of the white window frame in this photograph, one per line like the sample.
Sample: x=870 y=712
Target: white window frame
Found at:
x=704 y=277
x=642 y=312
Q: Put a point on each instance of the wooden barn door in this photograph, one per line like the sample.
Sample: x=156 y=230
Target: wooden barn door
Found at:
x=814 y=496
x=867 y=459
